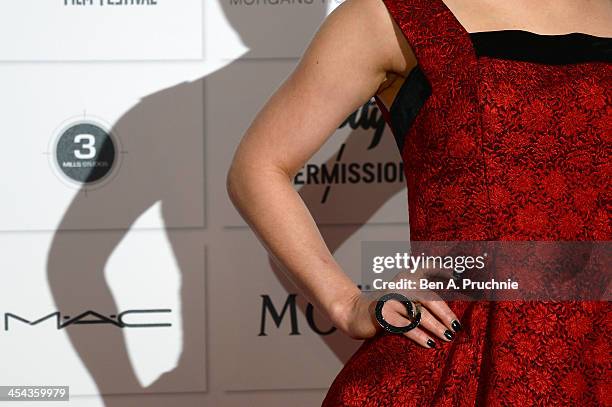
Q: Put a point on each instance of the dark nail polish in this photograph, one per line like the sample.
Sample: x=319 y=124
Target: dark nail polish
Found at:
x=456 y=326
x=449 y=335
x=431 y=343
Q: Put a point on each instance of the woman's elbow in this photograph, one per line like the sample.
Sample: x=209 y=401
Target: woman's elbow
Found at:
x=245 y=180
x=234 y=182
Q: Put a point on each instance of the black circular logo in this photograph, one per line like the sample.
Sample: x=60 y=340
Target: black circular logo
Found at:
x=85 y=152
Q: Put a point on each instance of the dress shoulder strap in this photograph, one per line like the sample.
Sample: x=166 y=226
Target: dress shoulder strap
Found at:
x=442 y=46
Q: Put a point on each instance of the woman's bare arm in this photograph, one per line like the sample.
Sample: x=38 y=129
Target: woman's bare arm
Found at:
x=343 y=67
x=345 y=64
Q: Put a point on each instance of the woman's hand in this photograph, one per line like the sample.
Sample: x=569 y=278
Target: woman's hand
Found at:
x=357 y=318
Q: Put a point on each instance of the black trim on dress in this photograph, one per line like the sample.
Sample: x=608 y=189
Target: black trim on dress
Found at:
x=409 y=99
x=520 y=45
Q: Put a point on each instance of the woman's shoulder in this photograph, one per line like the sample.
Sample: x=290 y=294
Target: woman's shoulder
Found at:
x=376 y=28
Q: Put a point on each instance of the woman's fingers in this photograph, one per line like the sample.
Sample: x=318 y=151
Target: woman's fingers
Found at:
x=440 y=309
x=428 y=321
x=421 y=337
x=395 y=313
x=444 y=314
x=437 y=307
x=433 y=325
x=437 y=320
x=418 y=335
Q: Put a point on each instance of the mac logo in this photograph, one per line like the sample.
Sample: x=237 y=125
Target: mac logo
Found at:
x=126 y=319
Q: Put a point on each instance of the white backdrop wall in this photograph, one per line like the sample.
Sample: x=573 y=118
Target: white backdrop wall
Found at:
x=155 y=97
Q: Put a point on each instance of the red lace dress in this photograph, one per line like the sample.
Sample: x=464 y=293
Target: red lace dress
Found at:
x=505 y=135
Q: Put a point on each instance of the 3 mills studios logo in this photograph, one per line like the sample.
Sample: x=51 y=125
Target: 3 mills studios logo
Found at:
x=84 y=152
x=339 y=172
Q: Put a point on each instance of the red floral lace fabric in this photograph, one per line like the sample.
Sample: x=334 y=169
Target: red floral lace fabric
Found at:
x=501 y=150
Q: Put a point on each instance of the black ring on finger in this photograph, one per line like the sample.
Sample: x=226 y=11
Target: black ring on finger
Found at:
x=414 y=313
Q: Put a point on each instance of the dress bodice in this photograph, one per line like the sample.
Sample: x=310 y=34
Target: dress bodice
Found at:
x=505 y=135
